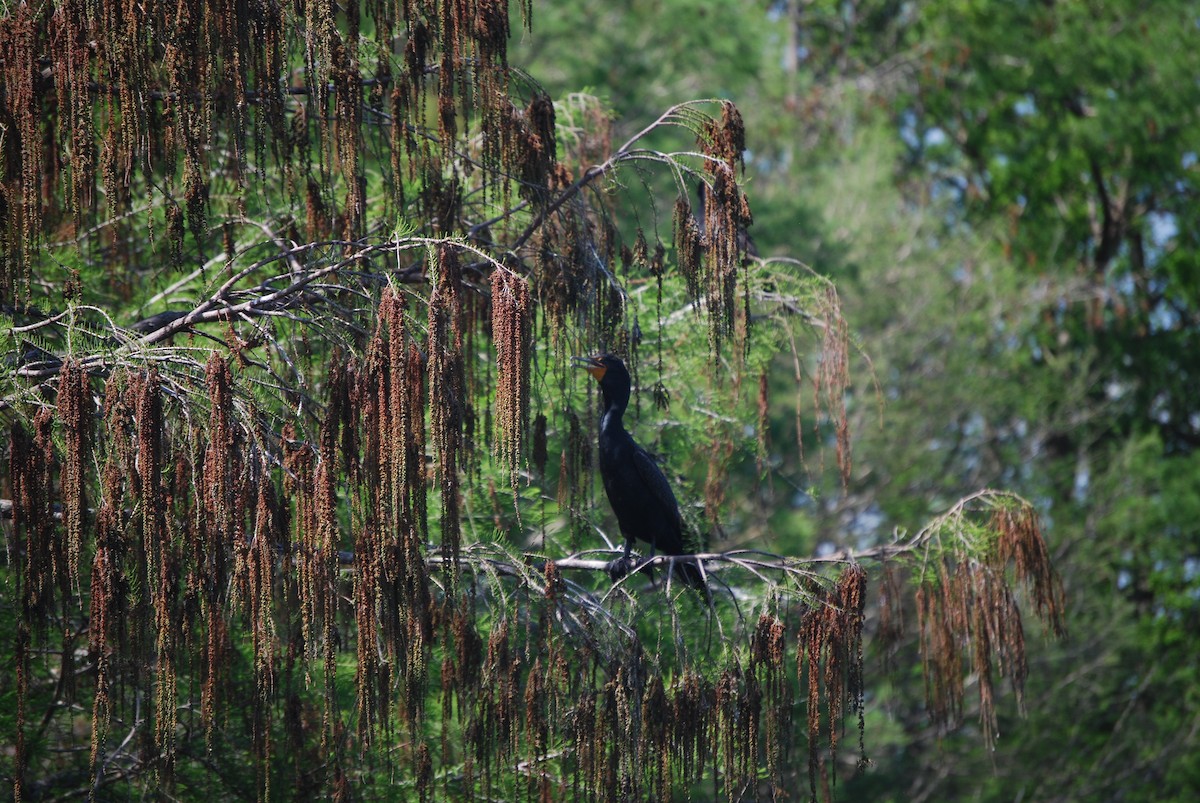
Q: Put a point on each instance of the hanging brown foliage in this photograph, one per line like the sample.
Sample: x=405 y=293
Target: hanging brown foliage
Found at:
x=44 y=570
x=768 y=651
x=117 y=95
x=967 y=612
x=1021 y=545
x=75 y=410
x=726 y=214
x=447 y=389
x=348 y=110
x=831 y=662
x=32 y=475
x=109 y=607
x=529 y=149
x=831 y=380
x=23 y=155
x=512 y=324
x=156 y=545
x=689 y=247
x=396 y=589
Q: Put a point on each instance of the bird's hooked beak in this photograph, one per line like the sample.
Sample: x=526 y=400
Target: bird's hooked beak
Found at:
x=592 y=365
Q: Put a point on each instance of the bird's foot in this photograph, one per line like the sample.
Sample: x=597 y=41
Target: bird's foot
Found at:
x=621 y=567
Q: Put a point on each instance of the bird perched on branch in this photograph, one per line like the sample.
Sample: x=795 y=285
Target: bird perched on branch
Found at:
x=637 y=489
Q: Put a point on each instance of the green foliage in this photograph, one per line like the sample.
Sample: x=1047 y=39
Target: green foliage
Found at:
x=1075 y=125
x=1017 y=341
x=641 y=53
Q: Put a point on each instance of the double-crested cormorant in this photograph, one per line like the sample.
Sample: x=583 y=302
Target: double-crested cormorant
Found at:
x=637 y=489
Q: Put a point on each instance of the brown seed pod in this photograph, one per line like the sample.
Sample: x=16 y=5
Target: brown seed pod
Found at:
x=75 y=412
x=512 y=324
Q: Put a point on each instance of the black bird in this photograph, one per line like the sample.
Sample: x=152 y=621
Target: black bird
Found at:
x=637 y=489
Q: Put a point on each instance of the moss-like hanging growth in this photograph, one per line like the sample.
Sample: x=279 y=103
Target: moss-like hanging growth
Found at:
x=512 y=323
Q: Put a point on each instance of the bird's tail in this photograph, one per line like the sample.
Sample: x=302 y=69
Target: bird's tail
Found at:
x=688 y=570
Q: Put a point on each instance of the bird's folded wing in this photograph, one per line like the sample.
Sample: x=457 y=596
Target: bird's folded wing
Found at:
x=655 y=481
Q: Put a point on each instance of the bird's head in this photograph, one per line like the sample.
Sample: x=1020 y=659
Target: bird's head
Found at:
x=601 y=365
x=610 y=372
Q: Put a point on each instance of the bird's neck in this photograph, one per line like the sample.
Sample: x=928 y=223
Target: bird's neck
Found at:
x=612 y=420
x=613 y=417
